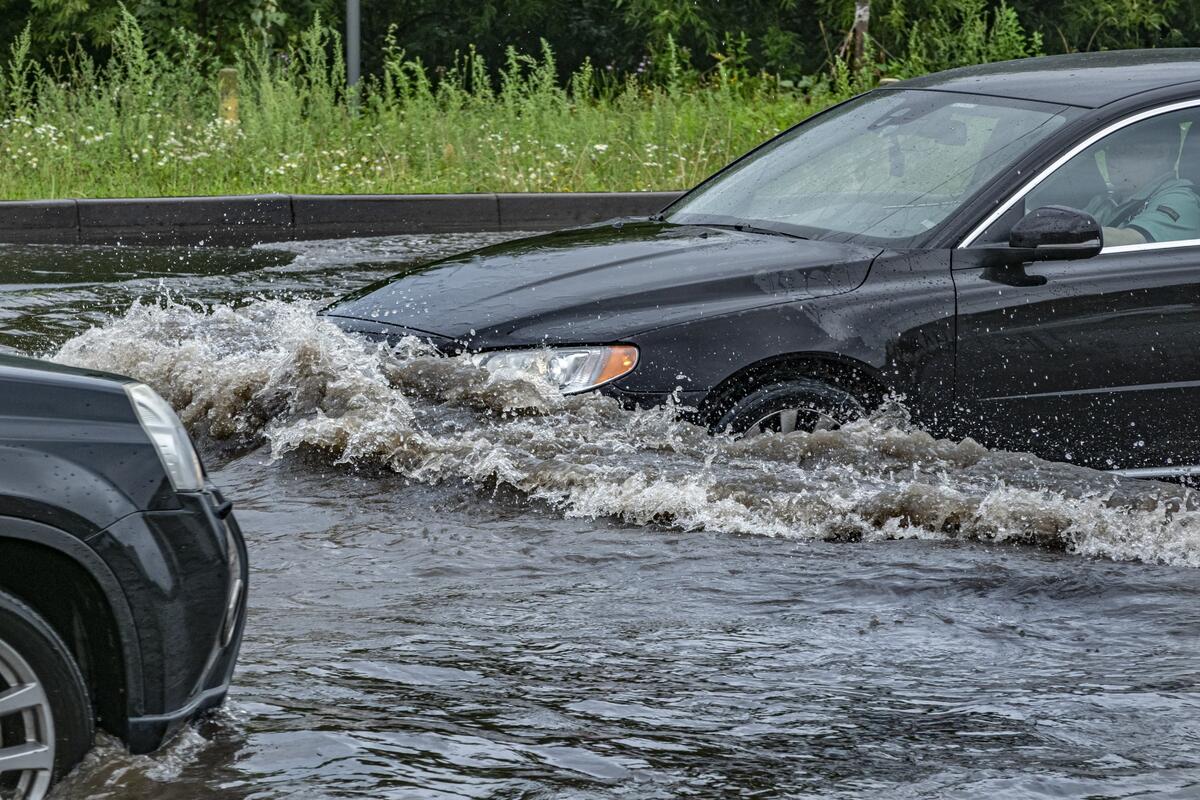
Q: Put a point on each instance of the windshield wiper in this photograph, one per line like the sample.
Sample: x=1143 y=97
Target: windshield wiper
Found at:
x=770 y=232
x=747 y=228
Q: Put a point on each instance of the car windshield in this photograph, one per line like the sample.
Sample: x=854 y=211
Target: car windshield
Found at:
x=885 y=168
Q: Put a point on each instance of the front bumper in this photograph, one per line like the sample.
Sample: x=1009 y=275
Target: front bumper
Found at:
x=184 y=574
x=688 y=402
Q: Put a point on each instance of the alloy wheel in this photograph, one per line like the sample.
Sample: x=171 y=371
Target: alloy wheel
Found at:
x=27 y=741
x=787 y=420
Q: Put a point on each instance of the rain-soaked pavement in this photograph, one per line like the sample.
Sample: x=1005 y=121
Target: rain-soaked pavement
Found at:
x=466 y=586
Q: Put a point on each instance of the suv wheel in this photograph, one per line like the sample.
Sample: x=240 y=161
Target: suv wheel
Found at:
x=799 y=404
x=45 y=713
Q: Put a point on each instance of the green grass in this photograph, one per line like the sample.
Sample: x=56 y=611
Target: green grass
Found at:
x=148 y=125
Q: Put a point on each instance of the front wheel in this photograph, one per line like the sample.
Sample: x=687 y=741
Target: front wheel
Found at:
x=45 y=713
x=796 y=404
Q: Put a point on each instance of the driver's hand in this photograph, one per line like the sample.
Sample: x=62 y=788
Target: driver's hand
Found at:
x=1118 y=236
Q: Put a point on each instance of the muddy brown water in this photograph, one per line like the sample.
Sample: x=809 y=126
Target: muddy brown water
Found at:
x=464 y=585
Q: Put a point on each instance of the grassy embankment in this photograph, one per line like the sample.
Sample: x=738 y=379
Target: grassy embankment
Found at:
x=146 y=124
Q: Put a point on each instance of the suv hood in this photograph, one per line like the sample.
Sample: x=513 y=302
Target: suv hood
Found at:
x=35 y=389
x=599 y=284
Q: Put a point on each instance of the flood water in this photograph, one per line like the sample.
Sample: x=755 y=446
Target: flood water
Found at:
x=465 y=585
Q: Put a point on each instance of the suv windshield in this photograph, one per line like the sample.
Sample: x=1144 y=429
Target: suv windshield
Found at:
x=884 y=168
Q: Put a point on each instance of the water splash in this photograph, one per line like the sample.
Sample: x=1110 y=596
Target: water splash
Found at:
x=110 y=765
x=276 y=372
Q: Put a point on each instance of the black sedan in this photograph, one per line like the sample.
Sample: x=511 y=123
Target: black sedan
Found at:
x=1013 y=249
x=122 y=572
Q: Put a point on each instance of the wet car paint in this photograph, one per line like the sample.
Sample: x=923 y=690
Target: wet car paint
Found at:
x=1016 y=367
x=600 y=283
x=81 y=480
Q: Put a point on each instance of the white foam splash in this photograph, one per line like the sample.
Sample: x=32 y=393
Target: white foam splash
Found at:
x=110 y=770
x=278 y=371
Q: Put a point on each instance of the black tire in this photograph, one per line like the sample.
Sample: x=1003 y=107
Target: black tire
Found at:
x=818 y=405
x=31 y=643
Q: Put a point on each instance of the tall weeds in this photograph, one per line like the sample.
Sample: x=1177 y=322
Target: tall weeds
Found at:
x=146 y=123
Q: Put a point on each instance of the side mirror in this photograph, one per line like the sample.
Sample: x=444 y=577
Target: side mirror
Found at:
x=1057 y=233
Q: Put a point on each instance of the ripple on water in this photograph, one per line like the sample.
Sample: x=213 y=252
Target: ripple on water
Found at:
x=466 y=585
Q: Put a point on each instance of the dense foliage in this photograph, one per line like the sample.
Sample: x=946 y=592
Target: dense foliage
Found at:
x=103 y=99
x=792 y=38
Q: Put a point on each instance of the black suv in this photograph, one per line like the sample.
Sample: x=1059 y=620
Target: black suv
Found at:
x=122 y=572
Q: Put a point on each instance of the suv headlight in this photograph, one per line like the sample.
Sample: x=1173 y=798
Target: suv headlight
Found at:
x=571 y=369
x=170 y=439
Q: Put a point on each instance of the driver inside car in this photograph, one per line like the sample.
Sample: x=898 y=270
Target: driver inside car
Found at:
x=1146 y=201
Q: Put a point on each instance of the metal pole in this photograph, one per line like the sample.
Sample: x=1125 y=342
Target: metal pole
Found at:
x=862 y=18
x=353 y=31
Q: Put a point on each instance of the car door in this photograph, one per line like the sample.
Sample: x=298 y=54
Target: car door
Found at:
x=1096 y=362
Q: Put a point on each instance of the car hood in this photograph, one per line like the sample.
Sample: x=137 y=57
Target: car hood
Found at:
x=599 y=284
x=32 y=388
x=50 y=373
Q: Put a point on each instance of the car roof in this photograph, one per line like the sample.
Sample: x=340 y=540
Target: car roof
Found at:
x=1088 y=80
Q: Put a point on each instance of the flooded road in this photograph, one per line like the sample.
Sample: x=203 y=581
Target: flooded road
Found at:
x=465 y=585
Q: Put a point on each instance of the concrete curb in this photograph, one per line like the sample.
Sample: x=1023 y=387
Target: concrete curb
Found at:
x=280 y=217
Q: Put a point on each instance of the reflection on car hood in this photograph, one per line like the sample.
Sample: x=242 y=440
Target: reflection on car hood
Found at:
x=600 y=284
x=49 y=373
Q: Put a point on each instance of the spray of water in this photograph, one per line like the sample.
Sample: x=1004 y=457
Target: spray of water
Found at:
x=276 y=372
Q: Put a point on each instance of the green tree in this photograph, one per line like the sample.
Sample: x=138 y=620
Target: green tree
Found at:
x=1112 y=24
x=57 y=25
x=790 y=39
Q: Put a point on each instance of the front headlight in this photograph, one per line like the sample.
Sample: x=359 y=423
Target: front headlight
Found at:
x=170 y=439
x=571 y=369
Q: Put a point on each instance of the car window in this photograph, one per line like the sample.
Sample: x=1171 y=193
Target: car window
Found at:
x=886 y=168
x=1139 y=182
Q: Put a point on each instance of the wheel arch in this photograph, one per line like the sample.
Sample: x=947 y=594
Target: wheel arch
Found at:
x=858 y=379
x=92 y=618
